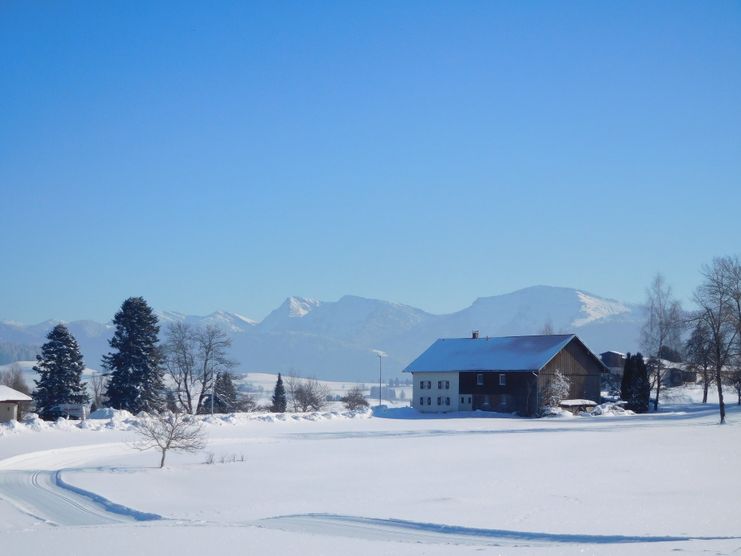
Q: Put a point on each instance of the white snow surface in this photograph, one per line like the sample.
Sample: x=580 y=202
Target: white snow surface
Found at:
x=396 y=482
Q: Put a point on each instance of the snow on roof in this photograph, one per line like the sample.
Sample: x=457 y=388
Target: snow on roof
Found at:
x=7 y=394
x=508 y=353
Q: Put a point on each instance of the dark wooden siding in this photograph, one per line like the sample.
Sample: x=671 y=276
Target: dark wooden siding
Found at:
x=583 y=371
x=519 y=394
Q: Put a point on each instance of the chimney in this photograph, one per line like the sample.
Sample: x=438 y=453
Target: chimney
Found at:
x=475 y=335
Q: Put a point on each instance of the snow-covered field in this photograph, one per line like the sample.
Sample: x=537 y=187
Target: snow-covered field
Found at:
x=394 y=483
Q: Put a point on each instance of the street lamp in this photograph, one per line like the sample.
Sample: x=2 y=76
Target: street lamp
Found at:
x=381 y=355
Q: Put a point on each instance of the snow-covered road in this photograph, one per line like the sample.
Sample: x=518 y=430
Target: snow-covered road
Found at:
x=33 y=483
x=39 y=495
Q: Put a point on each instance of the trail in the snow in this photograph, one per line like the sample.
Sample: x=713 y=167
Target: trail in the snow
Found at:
x=412 y=531
x=36 y=493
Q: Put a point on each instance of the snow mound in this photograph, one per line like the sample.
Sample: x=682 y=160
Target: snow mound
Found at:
x=609 y=409
x=122 y=420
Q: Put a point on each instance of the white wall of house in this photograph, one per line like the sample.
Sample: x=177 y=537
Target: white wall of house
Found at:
x=436 y=392
x=8 y=411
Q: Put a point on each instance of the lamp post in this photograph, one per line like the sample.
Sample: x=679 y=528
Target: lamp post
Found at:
x=381 y=355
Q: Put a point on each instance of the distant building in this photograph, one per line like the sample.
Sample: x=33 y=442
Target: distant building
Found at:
x=10 y=402
x=614 y=361
x=505 y=374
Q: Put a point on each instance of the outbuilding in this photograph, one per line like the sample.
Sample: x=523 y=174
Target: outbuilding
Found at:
x=10 y=402
x=506 y=374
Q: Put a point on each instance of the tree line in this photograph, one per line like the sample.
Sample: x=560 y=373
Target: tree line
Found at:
x=193 y=360
x=712 y=327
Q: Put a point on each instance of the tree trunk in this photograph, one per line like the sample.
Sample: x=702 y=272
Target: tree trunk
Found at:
x=162 y=461
x=658 y=388
x=705 y=385
x=721 y=405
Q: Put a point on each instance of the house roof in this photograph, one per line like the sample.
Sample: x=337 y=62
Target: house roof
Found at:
x=507 y=353
x=7 y=394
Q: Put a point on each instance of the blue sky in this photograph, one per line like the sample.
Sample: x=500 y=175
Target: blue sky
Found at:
x=225 y=155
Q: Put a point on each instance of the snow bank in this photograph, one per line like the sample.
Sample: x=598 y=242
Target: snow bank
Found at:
x=122 y=420
x=608 y=409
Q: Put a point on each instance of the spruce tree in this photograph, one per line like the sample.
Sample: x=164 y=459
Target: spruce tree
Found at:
x=135 y=365
x=642 y=384
x=280 y=402
x=635 y=388
x=225 y=399
x=626 y=384
x=60 y=367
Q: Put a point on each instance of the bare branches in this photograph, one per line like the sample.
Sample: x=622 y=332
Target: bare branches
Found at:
x=663 y=328
x=170 y=431
x=720 y=314
x=306 y=394
x=99 y=385
x=355 y=399
x=193 y=359
x=13 y=378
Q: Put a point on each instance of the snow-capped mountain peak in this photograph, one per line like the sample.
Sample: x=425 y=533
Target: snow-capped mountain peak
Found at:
x=300 y=306
x=596 y=308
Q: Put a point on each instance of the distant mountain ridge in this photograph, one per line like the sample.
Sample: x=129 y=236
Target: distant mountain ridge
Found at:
x=334 y=339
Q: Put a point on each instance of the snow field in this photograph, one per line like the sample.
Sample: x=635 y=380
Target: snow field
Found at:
x=362 y=484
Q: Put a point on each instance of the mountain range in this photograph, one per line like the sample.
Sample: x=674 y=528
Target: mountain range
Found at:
x=334 y=340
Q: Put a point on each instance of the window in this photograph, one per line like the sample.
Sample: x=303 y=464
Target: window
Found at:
x=447 y=385
x=421 y=384
x=447 y=401
x=463 y=399
x=429 y=401
x=502 y=379
x=429 y=384
x=421 y=401
x=439 y=384
x=469 y=399
x=480 y=379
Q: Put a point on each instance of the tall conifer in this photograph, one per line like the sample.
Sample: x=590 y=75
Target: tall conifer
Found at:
x=135 y=365
x=60 y=367
x=280 y=402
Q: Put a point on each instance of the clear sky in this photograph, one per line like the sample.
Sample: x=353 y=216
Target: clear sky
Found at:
x=225 y=155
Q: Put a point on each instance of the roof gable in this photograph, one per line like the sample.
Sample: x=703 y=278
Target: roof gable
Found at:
x=7 y=394
x=508 y=353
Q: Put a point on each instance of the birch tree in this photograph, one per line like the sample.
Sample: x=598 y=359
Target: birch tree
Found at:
x=717 y=311
x=662 y=329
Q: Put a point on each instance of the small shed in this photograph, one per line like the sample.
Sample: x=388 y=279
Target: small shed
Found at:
x=10 y=401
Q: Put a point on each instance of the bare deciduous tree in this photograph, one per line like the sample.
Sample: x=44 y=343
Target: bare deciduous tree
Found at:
x=180 y=362
x=306 y=394
x=355 y=399
x=213 y=344
x=98 y=385
x=733 y=378
x=178 y=432
x=717 y=311
x=663 y=328
x=698 y=352
x=13 y=378
x=193 y=359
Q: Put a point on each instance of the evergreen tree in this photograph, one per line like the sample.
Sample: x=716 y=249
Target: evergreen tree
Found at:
x=60 y=369
x=280 y=402
x=626 y=384
x=643 y=385
x=225 y=399
x=135 y=365
x=635 y=388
